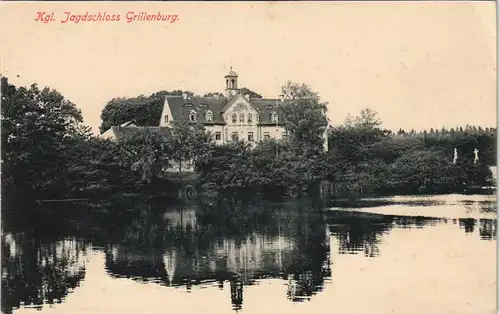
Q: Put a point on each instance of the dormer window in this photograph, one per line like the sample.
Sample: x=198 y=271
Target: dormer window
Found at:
x=242 y=117
x=208 y=115
x=274 y=117
x=192 y=116
x=249 y=120
x=269 y=107
x=234 y=117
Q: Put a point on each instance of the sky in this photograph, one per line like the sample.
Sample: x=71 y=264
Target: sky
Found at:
x=420 y=65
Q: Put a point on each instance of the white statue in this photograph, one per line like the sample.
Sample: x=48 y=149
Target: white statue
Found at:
x=476 y=156
x=455 y=156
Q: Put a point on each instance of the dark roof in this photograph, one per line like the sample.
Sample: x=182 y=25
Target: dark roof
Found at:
x=180 y=108
x=122 y=132
x=266 y=107
x=231 y=73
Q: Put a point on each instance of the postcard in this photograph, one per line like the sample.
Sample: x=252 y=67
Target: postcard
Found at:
x=253 y=157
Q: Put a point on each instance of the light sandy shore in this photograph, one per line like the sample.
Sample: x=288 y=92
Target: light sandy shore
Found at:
x=439 y=206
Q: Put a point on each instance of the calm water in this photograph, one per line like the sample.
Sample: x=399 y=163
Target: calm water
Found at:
x=380 y=257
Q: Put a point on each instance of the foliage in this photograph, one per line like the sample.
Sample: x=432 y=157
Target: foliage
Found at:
x=37 y=128
x=367 y=160
x=145 y=111
x=305 y=118
x=246 y=91
x=48 y=153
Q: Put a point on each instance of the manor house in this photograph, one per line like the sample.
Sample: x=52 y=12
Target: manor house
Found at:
x=228 y=117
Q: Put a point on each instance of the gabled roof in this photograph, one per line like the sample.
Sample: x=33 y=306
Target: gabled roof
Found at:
x=181 y=108
x=234 y=99
x=129 y=123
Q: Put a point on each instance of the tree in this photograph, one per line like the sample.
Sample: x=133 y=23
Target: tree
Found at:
x=144 y=110
x=213 y=95
x=36 y=127
x=189 y=143
x=367 y=119
x=146 y=153
x=246 y=91
x=304 y=117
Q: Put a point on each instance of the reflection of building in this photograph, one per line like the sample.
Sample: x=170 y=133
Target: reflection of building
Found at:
x=185 y=218
x=229 y=117
x=195 y=252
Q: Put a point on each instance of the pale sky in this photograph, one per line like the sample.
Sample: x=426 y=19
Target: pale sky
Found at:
x=418 y=64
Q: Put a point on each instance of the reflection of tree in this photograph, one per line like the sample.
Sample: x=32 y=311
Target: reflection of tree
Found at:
x=138 y=264
x=361 y=232
x=310 y=263
x=241 y=248
x=37 y=272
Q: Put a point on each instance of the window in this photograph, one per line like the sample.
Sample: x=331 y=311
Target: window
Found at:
x=250 y=136
x=249 y=118
x=234 y=136
x=208 y=115
x=192 y=116
x=274 y=117
x=266 y=135
x=242 y=117
x=284 y=135
x=234 y=118
x=165 y=118
x=217 y=136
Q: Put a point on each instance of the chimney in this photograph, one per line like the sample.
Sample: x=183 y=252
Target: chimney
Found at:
x=282 y=98
x=185 y=95
x=247 y=96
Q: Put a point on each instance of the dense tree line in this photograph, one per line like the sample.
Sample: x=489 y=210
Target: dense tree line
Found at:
x=371 y=160
x=49 y=153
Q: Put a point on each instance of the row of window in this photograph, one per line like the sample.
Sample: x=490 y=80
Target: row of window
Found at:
x=235 y=136
x=209 y=117
x=273 y=116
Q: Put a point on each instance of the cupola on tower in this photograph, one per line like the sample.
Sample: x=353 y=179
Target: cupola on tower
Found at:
x=231 y=84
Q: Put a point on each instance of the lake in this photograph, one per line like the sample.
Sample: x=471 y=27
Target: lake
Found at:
x=426 y=254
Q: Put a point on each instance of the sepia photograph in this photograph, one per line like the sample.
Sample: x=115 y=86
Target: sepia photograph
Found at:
x=249 y=157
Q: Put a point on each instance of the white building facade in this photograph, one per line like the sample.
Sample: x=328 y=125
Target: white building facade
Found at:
x=233 y=116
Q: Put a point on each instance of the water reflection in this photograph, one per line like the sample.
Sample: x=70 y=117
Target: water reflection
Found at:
x=488 y=229
x=38 y=271
x=184 y=248
x=189 y=248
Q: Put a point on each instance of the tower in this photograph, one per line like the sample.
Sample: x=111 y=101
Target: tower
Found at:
x=231 y=84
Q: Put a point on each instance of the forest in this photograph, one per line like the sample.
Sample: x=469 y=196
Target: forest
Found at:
x=49 y=153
